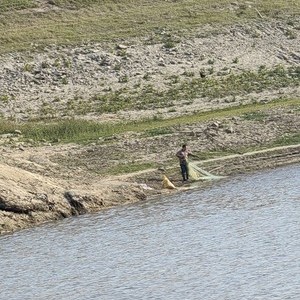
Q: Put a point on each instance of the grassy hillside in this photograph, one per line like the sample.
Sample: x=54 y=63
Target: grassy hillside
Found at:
x=34 y=24
x=82 y=131
x=28 y=23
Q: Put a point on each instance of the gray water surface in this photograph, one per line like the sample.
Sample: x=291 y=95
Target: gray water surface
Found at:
x=237 y=239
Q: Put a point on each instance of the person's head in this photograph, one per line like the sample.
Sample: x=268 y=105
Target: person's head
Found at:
x=184 y=146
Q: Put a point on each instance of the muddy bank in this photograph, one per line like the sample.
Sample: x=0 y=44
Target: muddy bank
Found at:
x=226 y=166
x=29 y=199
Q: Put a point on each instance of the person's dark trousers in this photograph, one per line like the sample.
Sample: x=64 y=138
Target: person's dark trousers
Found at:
x=184 y=172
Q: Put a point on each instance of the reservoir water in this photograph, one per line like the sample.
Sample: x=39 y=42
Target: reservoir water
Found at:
x=238 y=238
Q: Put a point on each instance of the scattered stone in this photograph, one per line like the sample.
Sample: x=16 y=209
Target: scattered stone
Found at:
x=162 y=169
x=121 y=47
x=19 y=132
x=229 y=130
x=145 y=186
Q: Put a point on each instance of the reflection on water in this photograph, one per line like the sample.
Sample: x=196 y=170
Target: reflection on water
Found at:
x=238 y=239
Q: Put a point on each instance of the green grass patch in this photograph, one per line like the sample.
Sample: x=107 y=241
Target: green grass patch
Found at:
x=82 y=131
x=8 y=126
x=158 y=131
x=9 y=5
x=240 y=84
x=70 y=130
x=287 y=140
x=110 y=20
x=254 y=116
x=291 y=139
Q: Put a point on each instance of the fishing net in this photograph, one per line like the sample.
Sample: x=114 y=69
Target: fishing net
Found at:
x=197 y=173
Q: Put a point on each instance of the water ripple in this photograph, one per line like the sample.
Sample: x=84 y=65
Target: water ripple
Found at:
x=238 y=239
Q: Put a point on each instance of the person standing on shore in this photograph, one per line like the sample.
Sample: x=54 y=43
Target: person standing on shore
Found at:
x=183 y=155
